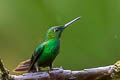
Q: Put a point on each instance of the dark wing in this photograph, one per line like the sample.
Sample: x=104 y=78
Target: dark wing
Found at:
x=35 y=56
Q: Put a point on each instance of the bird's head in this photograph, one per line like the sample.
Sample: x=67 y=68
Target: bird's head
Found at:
x=56 y=31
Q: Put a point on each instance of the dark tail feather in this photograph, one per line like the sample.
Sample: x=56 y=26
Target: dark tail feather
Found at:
x=23 y=66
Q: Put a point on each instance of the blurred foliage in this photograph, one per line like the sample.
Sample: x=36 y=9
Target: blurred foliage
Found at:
x=90 y=42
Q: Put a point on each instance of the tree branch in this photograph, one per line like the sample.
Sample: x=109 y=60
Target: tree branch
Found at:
x=4 y=72
x=100 y=73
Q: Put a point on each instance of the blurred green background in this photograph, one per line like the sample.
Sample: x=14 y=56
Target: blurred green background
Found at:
x=90 y=42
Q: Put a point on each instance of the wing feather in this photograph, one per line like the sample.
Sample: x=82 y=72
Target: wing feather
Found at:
x=35 y=56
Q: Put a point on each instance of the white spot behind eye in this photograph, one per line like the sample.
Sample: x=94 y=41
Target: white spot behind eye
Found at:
x=56 y=29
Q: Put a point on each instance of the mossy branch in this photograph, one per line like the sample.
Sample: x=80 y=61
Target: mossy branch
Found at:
x=100 y=73
x=4 y=72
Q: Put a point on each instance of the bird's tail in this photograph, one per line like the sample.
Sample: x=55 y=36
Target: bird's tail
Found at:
x=23 y=66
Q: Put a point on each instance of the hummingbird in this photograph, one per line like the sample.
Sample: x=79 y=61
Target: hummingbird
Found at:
x=46 y=52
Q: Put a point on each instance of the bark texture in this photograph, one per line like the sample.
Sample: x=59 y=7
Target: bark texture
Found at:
x=100 y=73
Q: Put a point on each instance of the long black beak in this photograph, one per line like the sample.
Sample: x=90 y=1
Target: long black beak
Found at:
x=66 y=25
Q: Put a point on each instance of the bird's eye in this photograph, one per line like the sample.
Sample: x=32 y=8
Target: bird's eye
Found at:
x=56 y=29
